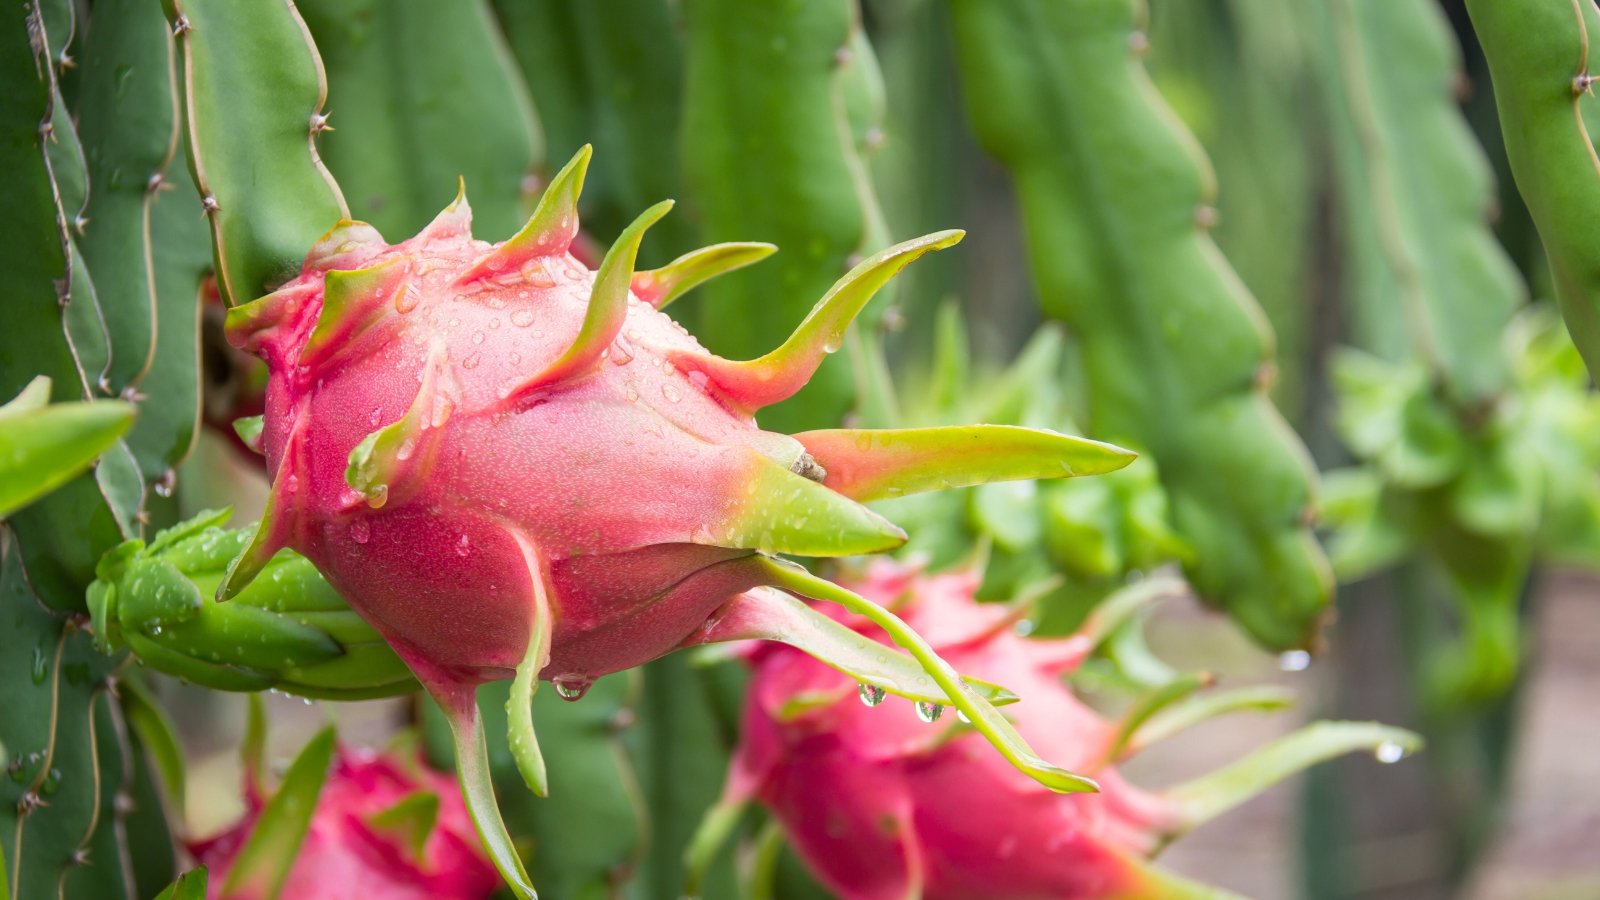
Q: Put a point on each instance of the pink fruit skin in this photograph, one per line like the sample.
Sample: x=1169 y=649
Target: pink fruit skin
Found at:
x=876 y=801
x=345 y=858
x=602 y=484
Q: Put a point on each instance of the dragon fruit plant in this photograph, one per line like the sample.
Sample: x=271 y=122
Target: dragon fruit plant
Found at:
x=876 y=796
x=448 y=421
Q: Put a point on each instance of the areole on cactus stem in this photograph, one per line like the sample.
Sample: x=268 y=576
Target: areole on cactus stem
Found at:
x=515 y=467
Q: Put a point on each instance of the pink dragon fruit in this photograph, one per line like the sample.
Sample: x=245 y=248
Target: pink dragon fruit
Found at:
x=515 y=467
x=882 y=803
x=384 y=828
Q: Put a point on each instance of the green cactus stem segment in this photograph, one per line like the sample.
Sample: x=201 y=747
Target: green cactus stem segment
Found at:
x=608 y=306
x=770 y=615
x=519 y=707
x=868 y=465
x=264 y=861
x=253 y=89
x=775 y=377
x=985 y=718
x=1203 y=799
x=1114 y=197
x=550 y=230
x=659 y=287
x=1540 y=54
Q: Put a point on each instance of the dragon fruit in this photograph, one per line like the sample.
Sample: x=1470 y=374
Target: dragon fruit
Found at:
x=885 y=800
x=515 y=467
x=385 y=827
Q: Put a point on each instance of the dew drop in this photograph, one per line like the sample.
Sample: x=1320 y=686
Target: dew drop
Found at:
x=378 y=496
x=471 y=362
x=534 y=273
x=571 y=688
x=871 y=694
x=929 y=712
x=522 y=318
x=38 y=669
x=375 y=416
x=463 y=546
x=1389 y=753
x=962 y=717
x=52 y=783
x=360 y=531
x=442 y=410
x=1294 y=661
x=477 y=337
x=671 y=393
x=166 y=483
x=621 y=354
x=407 y=300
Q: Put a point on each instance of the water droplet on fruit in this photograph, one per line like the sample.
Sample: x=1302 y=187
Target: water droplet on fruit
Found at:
x=522 y=318
x=871 y=694
x=464 y=546
x=407 y=300
x=360 y=531
x=929 y=712
x=443 y=407
x=1389 y=753
x=571 y=687
x=671 y=393
x=165 y=484
x=535 y=274
x=1294 y=661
